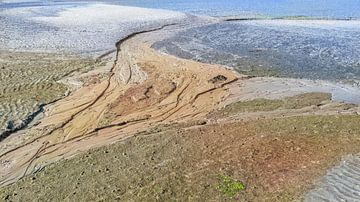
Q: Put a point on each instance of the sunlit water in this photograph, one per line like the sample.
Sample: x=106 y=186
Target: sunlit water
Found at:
x=328 y=50
x=276 y=8
x=299 y=49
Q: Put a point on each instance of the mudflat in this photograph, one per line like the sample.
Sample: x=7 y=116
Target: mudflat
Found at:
x=137 y=123
x=179 y=132
x=31 y=80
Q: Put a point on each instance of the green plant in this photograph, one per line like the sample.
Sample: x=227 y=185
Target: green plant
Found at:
x=229 y=186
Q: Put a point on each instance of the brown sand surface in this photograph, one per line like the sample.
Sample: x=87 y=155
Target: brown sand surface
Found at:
x=179 y=127
x=142 y=89
x=29 y=80
x=277 y=160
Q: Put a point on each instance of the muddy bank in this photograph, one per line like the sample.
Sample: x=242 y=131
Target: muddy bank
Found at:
x=144 y=93
x=29 y=81
x=100 y=113
x=222 y=136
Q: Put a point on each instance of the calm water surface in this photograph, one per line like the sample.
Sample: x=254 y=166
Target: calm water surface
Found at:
x=276 y=8
x=327 y=50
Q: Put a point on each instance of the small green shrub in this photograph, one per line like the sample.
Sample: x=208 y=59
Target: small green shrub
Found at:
x=229 y=186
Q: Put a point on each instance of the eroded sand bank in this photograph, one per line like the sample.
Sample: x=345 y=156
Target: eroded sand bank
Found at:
x=144 y=89
x=28 y=81
x=41 y=46
x=118 y=106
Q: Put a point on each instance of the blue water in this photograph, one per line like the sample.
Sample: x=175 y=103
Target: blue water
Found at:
x=298 y=50
x=342 y=9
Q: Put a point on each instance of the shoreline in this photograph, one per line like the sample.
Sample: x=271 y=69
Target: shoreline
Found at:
x=30 y=81
x=145 y=89
x=125 y=78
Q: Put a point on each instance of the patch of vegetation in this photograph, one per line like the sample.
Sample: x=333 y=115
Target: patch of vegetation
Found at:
x=252 y=106
x=294 y=102
x=315 y=126
x=181 y=164
x=229 y=186
x=305 y=100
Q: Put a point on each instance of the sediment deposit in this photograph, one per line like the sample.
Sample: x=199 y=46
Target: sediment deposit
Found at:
x=28 y=81
x=153 y=126
x=141 y=90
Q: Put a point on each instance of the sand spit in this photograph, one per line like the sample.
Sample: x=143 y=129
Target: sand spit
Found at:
x=28 y=81
x=143 y=89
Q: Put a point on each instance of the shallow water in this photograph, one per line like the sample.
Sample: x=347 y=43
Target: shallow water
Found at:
x=76 y=28
x=327 y=50
x=319 y=8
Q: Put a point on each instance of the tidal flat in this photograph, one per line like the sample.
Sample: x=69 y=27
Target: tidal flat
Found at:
x=28 y=81
x=274 y=117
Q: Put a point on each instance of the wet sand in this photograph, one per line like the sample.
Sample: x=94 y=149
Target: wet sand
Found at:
x=43 y=45
x=141 y=92
x=340 y=183
x=84 y=120
x=167 y=93
x=31 y=80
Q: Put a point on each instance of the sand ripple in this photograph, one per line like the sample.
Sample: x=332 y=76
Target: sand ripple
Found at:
x=342 y=183
x=29 y=80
